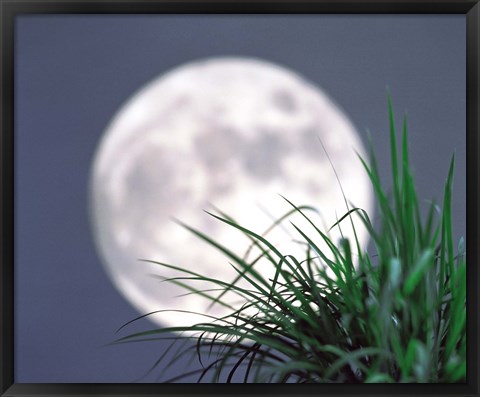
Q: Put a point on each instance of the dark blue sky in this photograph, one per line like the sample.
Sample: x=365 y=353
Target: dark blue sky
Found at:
x=72 y=74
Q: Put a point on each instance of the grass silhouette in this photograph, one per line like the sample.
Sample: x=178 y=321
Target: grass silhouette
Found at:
x=341 y=314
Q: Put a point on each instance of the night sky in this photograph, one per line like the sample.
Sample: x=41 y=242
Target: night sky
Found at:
x=72 y=74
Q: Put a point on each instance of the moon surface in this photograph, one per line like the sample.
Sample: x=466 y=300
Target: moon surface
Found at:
x=232 y=133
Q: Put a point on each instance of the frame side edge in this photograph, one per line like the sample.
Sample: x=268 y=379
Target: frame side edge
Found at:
x=473 y=191
x=6 y=197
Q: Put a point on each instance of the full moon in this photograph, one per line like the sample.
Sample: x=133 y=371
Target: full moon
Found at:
x=222 y=133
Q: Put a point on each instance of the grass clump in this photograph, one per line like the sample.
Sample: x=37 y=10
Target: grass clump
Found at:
x=341 y=314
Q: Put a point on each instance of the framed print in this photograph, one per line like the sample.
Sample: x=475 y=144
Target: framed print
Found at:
x=220 y=198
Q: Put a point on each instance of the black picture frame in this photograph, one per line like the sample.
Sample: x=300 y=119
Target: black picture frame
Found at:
x=9 y=9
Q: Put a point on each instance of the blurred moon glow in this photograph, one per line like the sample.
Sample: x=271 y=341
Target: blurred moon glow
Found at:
x=229 y=132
